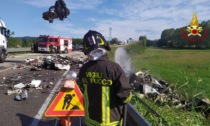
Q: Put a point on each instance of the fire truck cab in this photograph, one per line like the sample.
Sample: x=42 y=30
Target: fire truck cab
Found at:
x=46 y=42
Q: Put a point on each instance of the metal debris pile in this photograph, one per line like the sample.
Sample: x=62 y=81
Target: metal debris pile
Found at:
x=56 y=62
x=22 y=83
x=38 y=75
x=163 y=93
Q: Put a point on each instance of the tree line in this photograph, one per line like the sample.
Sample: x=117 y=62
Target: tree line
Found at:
x=170 y=38
x=15 y=42
x=180 y=38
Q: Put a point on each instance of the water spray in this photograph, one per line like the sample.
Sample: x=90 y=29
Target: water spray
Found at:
x=122 y=58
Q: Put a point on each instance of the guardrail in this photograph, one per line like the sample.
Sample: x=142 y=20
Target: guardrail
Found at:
x=134 y=118
x=19 y=49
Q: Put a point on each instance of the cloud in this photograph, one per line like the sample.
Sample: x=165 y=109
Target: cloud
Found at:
x=68 y=30
x=73 y=4
x=84 y=4
x=150 y=17
x=131 y=18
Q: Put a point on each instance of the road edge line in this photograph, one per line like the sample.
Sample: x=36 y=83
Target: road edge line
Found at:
x=41 y=111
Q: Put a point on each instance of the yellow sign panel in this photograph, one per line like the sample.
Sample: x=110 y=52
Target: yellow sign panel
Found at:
x=69 y=101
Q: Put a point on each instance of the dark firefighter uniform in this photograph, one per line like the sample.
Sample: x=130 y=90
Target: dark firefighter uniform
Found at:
x=106 y=90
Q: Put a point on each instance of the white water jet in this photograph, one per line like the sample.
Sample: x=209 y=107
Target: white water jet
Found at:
x=122 y=58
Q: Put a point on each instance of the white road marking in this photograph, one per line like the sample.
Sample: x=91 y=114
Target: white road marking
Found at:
x=6 y=69
x=46 y=103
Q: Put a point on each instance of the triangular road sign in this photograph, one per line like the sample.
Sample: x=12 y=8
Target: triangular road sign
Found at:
x=68 y=102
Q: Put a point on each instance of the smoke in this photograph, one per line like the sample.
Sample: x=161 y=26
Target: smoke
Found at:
x=122 y=58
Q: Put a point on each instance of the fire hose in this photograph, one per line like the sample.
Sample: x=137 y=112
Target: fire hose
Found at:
x=125 y=115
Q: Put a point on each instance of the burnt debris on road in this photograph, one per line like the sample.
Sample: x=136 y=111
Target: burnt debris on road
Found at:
x=37 y=74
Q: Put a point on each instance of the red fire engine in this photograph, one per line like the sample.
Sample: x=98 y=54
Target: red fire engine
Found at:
x=45 y=42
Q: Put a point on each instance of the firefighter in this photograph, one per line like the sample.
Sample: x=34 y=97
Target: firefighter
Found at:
x=103 y=82
x=34 y=47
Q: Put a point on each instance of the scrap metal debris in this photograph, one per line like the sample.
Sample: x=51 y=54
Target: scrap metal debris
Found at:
x=13 y=91
x=21 y=84
x=35 y=83
x=161 y=92
x=22 y=96
x=55 y=62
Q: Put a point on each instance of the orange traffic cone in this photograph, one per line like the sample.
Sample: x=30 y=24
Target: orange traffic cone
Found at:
x=64 y=121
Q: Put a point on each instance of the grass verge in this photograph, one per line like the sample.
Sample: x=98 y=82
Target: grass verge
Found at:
x=187 y=70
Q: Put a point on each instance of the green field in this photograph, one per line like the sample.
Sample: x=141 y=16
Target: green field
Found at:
x=187 y=70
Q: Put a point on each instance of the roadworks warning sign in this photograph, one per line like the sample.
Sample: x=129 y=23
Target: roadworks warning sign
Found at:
x=68 y=102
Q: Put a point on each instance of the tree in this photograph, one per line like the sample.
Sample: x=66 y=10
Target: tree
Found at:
x=114 y=41
x=77 y=41
x=27 y=43
x=151 y=42
x=143 y=40
x=14 y=42
x=178 y=38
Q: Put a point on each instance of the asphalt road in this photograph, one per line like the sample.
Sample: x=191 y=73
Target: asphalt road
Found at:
x=28 y=112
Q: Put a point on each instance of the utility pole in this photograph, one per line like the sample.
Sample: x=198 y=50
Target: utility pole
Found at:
x=110 y=33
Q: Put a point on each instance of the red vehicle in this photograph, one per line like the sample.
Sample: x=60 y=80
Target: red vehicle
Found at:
x=58 y=44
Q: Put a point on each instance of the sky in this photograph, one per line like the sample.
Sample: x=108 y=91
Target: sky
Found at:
x=121 y=19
